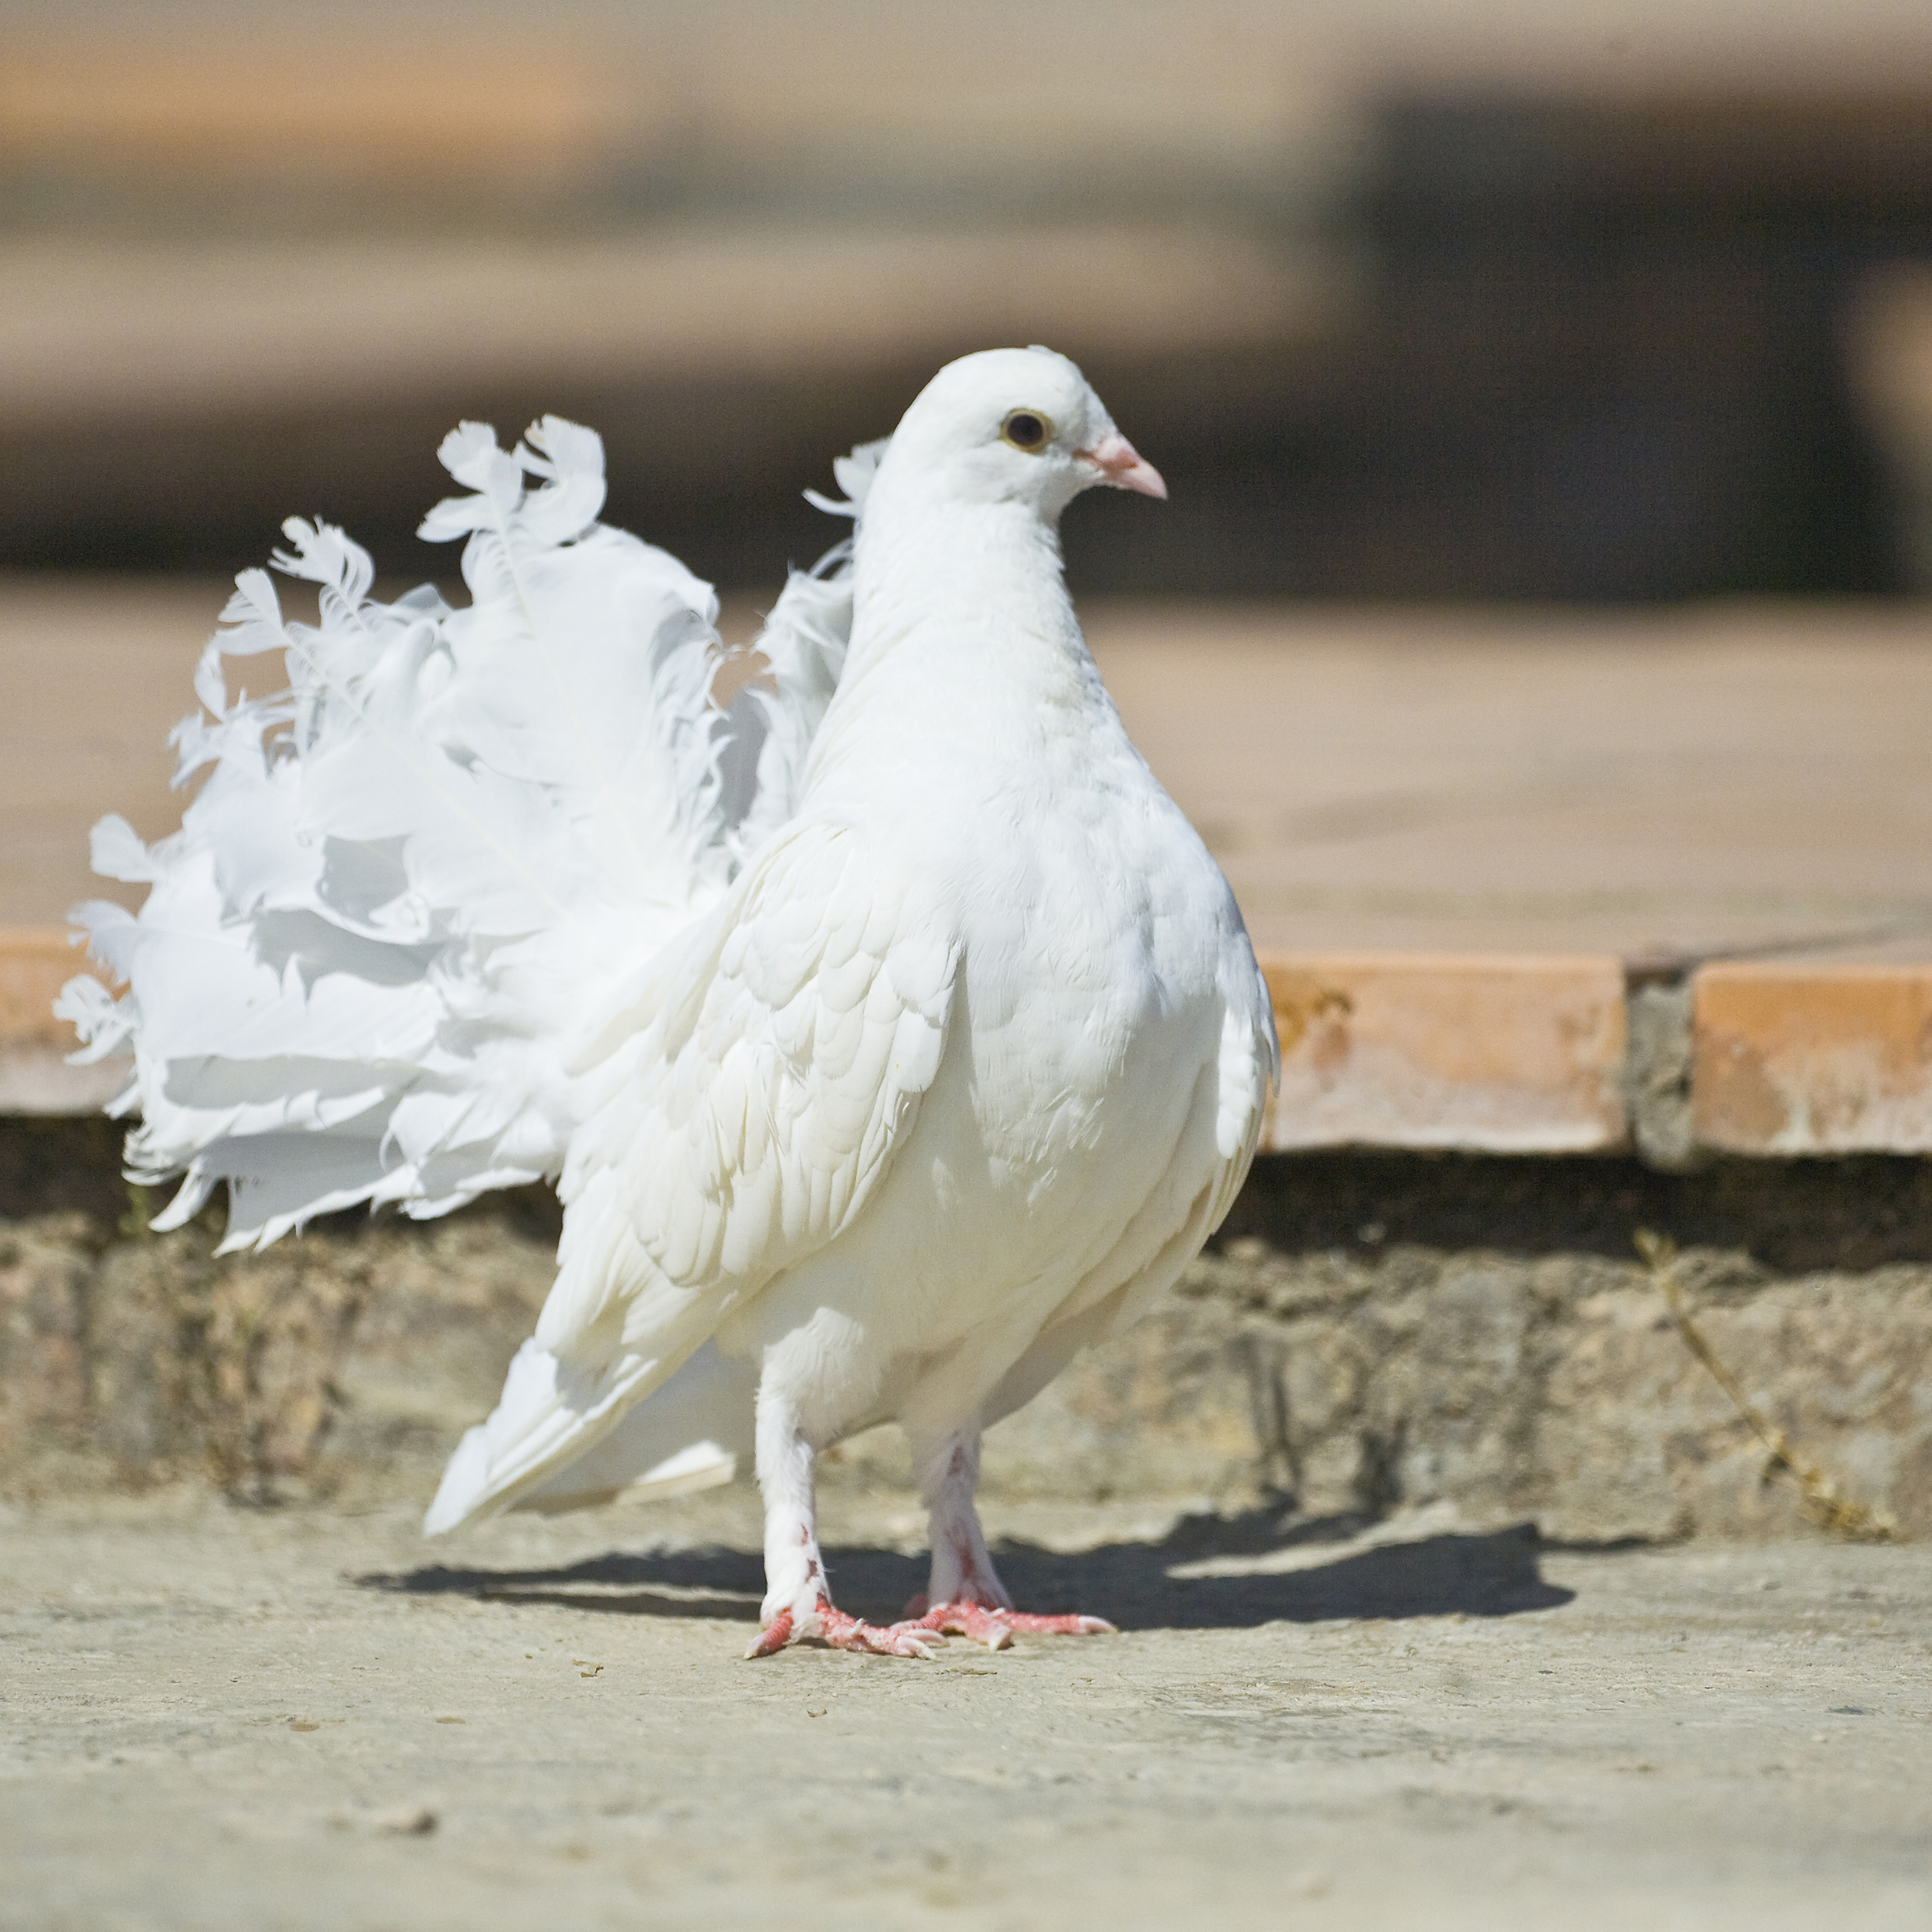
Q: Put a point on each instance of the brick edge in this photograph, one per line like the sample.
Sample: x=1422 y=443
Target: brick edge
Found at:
x=1489 y=1053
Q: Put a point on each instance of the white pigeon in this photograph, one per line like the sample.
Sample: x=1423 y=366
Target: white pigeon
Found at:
x=890 y=1034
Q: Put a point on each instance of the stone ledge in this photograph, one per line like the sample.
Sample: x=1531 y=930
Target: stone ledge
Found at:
x=1482 y=1054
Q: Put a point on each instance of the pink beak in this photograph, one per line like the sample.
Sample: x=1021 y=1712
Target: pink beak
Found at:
x=1122 y=465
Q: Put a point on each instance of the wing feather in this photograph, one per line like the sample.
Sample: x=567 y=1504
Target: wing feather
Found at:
x=741 y=1128
x=755 y=1119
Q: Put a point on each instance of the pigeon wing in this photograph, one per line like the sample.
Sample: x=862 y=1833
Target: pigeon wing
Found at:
x=767 y=1070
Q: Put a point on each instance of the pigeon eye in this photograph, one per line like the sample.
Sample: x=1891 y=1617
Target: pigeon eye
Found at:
x=1027 y=429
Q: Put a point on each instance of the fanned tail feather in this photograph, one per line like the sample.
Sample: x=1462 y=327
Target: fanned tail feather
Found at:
x=395 y=908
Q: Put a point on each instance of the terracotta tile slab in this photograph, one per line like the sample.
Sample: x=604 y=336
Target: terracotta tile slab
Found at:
x=1499 y=1053
x=1506 y=1054
x=35 y=1078
x=35 y=964
x=1813 y=1059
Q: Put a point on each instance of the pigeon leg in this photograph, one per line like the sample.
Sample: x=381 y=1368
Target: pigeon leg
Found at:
x=798 y=1603
x=965 y=1595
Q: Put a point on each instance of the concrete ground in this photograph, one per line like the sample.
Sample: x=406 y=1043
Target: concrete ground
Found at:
x=1692 y=781
x=215 y=1718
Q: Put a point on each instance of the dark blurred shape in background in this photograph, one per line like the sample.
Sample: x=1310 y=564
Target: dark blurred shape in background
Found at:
x=1602 y=302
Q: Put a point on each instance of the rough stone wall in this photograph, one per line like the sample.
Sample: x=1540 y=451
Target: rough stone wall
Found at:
x=1557 y=1388
x=1370 y=1333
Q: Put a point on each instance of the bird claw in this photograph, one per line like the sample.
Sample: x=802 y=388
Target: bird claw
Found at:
x=1028 y=1624
x=991 y=1628
x=841 y=1632
x=996 y=1628
x=773 y=1638
x=838 y=1631
x=921 y=1627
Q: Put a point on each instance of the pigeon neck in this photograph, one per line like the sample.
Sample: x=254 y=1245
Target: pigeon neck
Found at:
x=964 y=648
x=926 y=571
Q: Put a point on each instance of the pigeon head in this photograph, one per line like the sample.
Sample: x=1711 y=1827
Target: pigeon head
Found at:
x=1014 y=426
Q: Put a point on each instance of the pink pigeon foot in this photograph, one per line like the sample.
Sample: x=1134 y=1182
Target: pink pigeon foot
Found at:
x=1026 y=1623
x=996 y=1627
x=838 y=1631
x=972 y=1601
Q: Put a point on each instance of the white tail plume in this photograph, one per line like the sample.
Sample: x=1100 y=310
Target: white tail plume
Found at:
x=398 y=904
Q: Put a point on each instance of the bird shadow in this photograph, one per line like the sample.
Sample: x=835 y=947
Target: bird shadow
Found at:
x=1488 y=1573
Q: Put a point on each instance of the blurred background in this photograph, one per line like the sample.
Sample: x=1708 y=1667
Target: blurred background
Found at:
x=1545 y=393
x=1618 y=300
